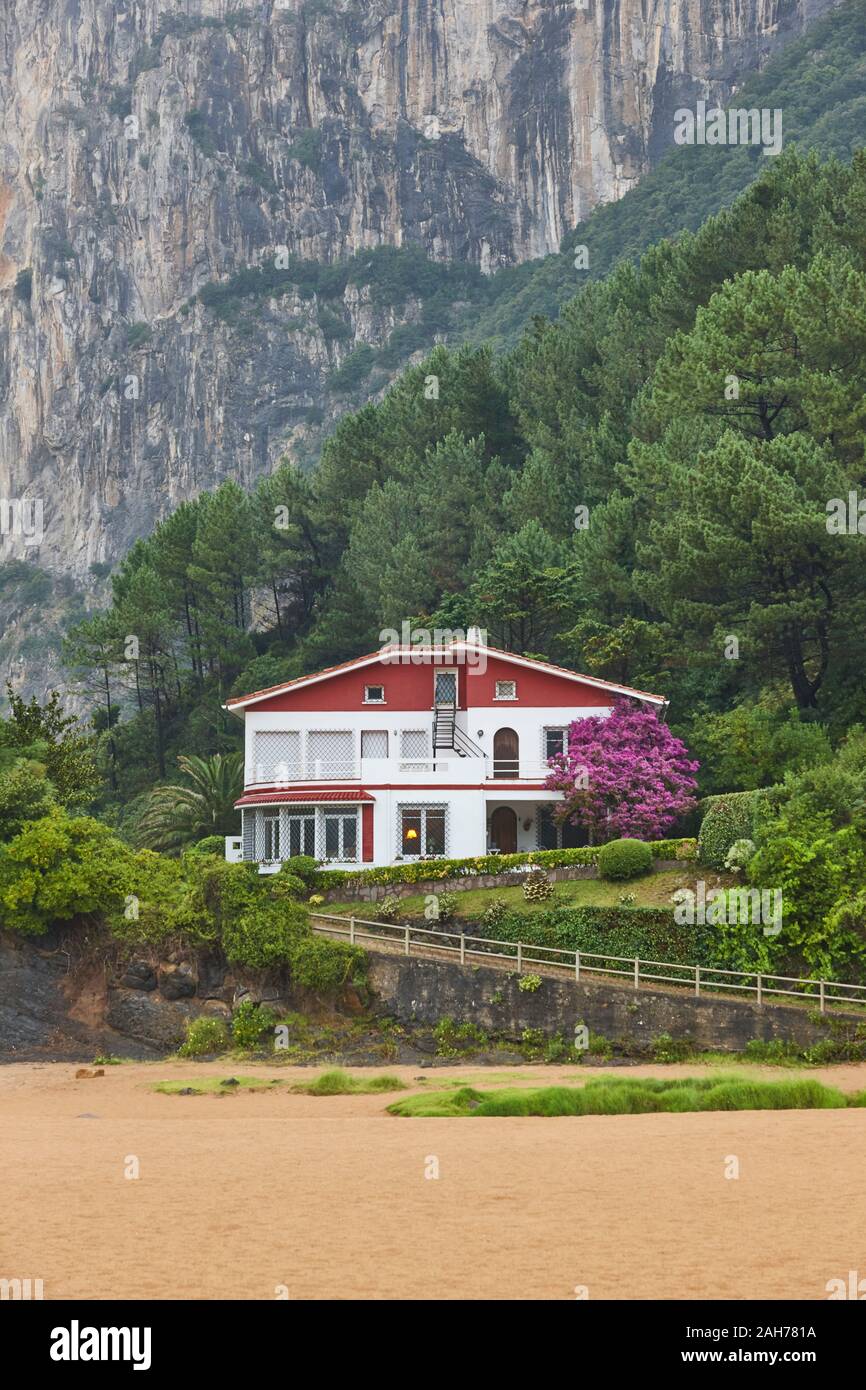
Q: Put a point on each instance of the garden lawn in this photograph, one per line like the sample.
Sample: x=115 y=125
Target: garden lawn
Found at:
x=650 y=890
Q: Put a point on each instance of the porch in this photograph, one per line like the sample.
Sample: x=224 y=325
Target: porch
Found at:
x=519 y=824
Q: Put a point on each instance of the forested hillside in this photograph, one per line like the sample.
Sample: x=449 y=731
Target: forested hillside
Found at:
x=703 y=407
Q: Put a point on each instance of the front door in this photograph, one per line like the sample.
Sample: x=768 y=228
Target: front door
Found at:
x=503 y=830
x=506 y=753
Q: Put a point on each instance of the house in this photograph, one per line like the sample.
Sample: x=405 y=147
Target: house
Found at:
x=413 y=751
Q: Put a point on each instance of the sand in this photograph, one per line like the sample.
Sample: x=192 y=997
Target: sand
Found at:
x=263 y=1195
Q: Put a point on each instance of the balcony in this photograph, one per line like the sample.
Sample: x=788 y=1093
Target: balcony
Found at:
x=444 y=769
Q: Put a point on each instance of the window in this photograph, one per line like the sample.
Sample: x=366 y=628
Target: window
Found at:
x=330 y=754
x=555 y=743
x=506 y=690
x=272 y=837
x=301 y=834
x=374 y=743
x=341 y=836
x=414 y=747
x=445 y=688
x=423 y=831
x=276 y=757
x=553 y=836
x=374 y=694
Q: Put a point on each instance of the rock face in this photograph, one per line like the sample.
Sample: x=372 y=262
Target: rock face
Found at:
x=146 y=154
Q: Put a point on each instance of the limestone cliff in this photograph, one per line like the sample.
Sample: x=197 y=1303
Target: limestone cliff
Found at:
x=151 y=151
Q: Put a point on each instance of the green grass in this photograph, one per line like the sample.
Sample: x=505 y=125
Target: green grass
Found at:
x=216 y=1085
x=340 y=1083
x=630 y=1096
x=650 y=890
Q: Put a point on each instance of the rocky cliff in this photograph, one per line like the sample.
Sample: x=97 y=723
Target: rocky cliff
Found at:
x=166 y=174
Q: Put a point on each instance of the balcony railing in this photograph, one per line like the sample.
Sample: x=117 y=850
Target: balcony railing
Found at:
x=447 y=768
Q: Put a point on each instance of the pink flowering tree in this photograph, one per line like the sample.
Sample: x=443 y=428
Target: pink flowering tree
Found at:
x=623 y=774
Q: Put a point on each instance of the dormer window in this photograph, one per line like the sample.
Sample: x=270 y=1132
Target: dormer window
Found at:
x=506 y=690
x=374 y=694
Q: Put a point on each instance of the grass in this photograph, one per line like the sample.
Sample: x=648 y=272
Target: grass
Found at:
x=650 y=890
x=340 y=1083
x=330 y=1083
x=630 y=1096
x=216 y=1085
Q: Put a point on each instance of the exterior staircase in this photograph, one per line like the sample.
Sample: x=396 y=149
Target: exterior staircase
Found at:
x=446 y=734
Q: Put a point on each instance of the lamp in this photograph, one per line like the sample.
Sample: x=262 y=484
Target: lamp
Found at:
x=411 y=834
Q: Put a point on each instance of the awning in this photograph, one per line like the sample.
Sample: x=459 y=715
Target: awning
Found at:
x=302 y=798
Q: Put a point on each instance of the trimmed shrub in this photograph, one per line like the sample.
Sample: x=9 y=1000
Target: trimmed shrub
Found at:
x=211 y=844
x=649 y=932
x=537 y=886
x=302 y=866
x=288 y=886
x=727 y=819
x=621 y=859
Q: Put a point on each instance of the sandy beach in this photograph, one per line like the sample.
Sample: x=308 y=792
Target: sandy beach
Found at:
x=264 y=1195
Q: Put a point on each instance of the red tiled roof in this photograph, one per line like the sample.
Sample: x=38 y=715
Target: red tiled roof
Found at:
x=302 y=798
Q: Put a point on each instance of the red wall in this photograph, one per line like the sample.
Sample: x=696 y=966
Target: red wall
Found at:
x=411 y=688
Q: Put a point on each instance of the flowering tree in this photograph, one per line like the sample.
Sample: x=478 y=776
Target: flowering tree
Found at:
x=623 y=774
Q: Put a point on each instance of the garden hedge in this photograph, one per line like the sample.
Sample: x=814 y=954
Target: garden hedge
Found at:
x=419 y=870
x=648 y=932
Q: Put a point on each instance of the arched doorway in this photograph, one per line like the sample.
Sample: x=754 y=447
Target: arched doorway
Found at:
x=506 y=753
x=503 y=830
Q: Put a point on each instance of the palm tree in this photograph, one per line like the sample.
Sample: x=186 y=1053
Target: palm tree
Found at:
x=178 y=816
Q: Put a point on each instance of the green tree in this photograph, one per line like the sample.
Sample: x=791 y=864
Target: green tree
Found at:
x=179 y=815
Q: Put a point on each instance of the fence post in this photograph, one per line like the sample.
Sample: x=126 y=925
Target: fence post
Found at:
x=519 y=958
x=351 y=931
x=636 y=973
x=697 y=982
x=463 y=948
x=760 y=997
x=821 y=994
x=407 y=941
x=577 y=965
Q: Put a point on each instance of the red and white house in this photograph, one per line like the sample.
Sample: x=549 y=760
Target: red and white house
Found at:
x=418 y=751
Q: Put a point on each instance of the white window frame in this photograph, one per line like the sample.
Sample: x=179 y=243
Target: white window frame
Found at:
x=505 y=699
x=381 y=734
x=447 y=672
x=421 y=808
x=341 y=814
x=553 y=729
x=271 y=822
x=374 y=700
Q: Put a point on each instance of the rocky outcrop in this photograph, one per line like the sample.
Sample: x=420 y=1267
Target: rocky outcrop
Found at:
x=146 y=154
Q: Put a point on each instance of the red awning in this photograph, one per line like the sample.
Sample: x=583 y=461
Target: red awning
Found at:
x=302 y=798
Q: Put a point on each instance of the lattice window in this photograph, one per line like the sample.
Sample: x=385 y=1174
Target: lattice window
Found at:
x=330 y=754
x=550 y=835
x=414 y=748
x=276 y=757
x=273 y=834
x=554 y=740
x=374 y=743
x=422 y=829
x=248 y=831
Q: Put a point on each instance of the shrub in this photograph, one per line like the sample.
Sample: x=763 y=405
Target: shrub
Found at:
x=289 y=886
x=528 y=984
x=388 y=908
x=621 y=859
x=494 y=913
x=211 y=844
x=325 y=966
x=250 y=1021
x=447 y=906
x=264 y=934
x=537 y=887
x=203 y=1036
x=727 y=819
x=302 y=866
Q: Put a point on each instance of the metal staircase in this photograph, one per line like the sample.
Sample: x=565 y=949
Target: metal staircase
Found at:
x=447 y=735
